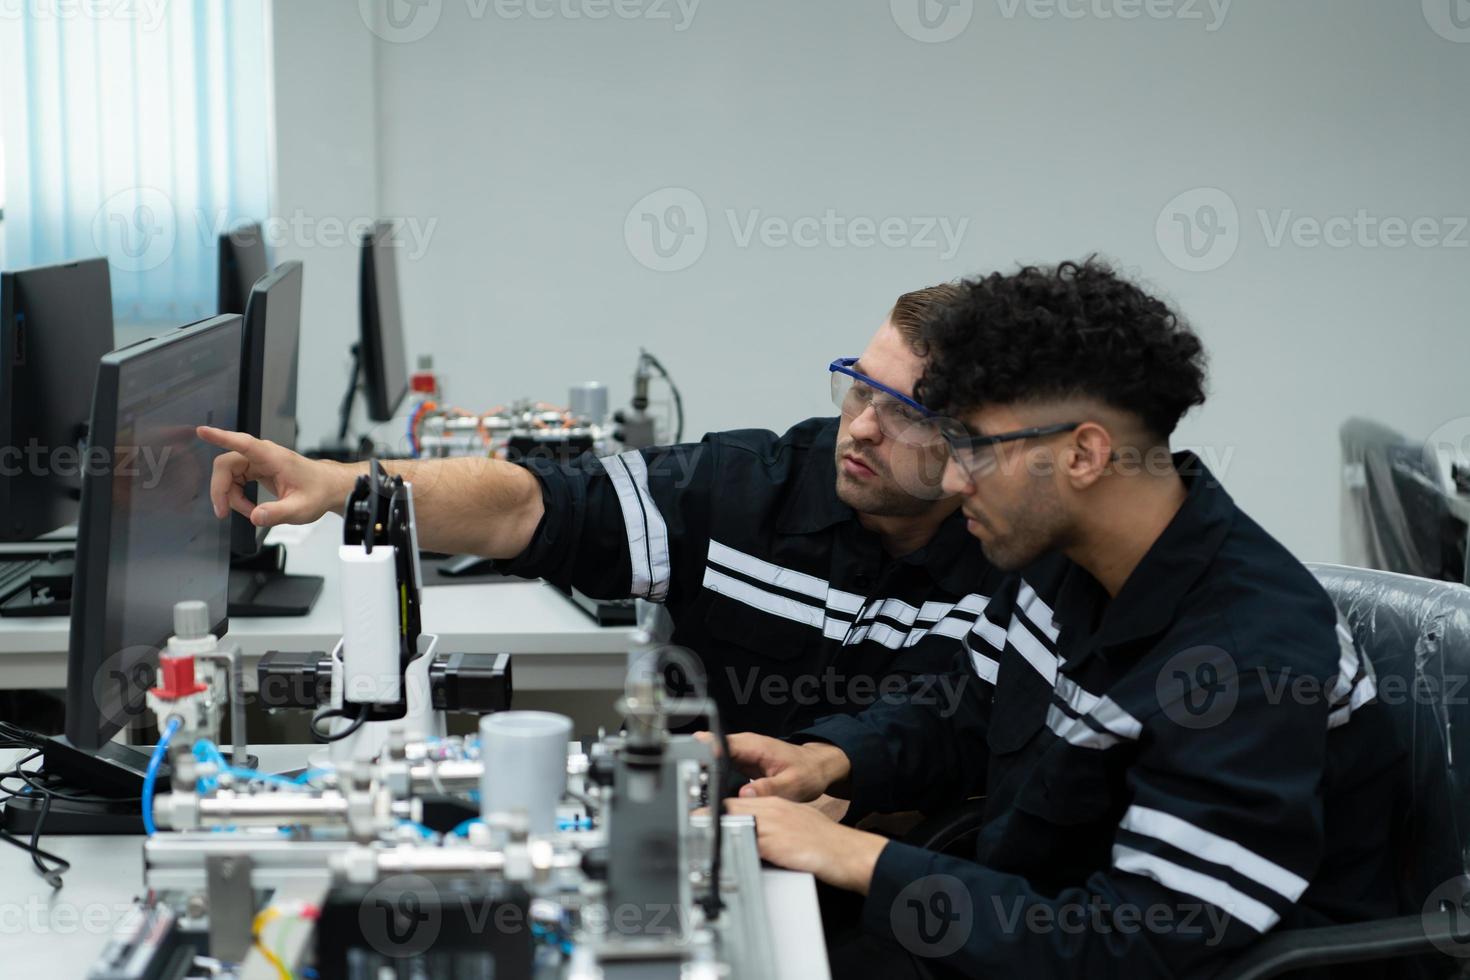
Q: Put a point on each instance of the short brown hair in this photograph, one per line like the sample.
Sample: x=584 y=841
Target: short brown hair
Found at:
x=916 y=310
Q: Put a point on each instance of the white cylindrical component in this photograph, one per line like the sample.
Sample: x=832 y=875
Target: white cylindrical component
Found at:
x=370 y=629
x=589 y=401
x=524 y=758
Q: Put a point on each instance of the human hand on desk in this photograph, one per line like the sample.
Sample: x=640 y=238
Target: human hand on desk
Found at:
x=801 y=838
x=796 y=772
x=304 y=489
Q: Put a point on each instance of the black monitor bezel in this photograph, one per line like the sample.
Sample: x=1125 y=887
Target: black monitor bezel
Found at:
x=87 y=652
x=381 y=403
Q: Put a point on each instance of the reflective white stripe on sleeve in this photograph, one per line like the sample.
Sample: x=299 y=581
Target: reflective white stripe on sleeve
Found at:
x=648 y=535
x=1258 y=915
x=1213 y=848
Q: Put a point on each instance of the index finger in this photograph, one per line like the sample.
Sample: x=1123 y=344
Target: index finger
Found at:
x=238 y=442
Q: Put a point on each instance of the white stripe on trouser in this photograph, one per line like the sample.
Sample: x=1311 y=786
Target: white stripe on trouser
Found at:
x=648 y=535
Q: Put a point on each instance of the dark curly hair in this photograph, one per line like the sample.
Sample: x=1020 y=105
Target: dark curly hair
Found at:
x=1046 y=333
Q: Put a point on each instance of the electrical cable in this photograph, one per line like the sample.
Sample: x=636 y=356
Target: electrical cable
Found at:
x=674 y=389
x=330 y=713
x=155 y=762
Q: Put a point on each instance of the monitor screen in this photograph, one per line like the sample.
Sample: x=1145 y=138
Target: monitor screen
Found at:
x=55 y=325
x=384 y=355
x=148 y=537
x=270 y=355
x=242 y=262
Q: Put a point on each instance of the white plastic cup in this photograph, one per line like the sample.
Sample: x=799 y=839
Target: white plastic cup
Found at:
x=525 y=765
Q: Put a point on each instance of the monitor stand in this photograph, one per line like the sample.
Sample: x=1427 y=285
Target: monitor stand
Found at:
x=259 y=586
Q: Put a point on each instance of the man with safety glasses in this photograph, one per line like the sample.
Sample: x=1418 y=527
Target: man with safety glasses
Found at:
x=812 y=572
x=1178 y=744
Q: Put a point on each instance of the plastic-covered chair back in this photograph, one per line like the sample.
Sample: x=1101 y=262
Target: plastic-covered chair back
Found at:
x=1416 y=634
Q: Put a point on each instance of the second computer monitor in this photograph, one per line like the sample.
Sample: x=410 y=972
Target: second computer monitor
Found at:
x=270 y=355
x=55 y=325
x=148 y=537
x=383 y=353
x=242 y=261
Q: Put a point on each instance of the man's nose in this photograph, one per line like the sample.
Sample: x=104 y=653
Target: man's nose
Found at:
x=866 y=427
x=956 y=481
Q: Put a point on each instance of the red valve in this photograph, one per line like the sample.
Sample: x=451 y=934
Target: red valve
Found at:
x=178 y=678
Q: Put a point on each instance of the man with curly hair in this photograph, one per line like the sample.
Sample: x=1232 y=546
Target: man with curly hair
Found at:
x=1154 y=801
x=812 y=571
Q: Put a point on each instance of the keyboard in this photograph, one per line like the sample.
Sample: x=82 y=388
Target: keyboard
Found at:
x=16 y=572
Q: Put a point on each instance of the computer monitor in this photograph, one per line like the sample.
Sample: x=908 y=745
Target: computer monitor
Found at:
x=242 y=262
x=55 y=326
x=148 y=537
x=270 y=351
x=270 y=355
x=382 y=351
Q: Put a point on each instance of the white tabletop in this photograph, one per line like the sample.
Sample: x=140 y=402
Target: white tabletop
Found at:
x=515 y=618
x=60 y=933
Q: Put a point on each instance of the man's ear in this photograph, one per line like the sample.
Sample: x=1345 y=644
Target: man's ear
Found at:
x=1091 y=455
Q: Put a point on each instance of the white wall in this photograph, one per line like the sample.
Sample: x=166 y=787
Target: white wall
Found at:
x=527 y=141
x=326 y=179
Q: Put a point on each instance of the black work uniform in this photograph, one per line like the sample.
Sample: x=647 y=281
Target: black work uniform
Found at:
x=793 y=607
x=1168 y=775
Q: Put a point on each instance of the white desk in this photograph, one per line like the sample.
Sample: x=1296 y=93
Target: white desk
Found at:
x=45 y=933
x=566 y=649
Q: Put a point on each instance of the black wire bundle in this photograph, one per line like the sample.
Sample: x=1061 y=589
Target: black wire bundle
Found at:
x=14 y=737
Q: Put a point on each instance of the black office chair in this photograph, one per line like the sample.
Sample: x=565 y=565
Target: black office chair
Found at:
x=1416 y=632
x=1398 y=519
